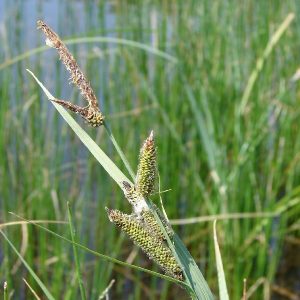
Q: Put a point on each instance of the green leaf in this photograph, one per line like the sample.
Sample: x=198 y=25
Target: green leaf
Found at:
x=102 y=158
x=193 y=275
x=221 y=275
x=36 y=278
x=94 y=39
x=198 y=287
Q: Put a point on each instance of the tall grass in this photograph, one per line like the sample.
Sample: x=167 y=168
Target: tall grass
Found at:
x=213 y=160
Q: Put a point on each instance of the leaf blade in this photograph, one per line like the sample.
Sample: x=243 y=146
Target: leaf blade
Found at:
x=221 y=275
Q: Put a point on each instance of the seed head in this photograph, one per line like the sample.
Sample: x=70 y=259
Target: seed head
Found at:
x=146 y=173
x=151 y=225
x=152 y=246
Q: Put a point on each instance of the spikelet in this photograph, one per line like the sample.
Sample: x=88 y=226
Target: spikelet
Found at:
x=136 y=200
x=91 y=113
x=144 y=214
x=150 y=222
x=154 y=248
x=130 y=193
x=146 y=173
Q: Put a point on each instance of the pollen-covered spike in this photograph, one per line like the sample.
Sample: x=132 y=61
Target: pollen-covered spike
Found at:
x=153 y=247
x=146 y=173
x=93 y=114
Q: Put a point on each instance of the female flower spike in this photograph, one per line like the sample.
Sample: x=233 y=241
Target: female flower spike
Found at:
x=150 y=224
x=144 y=214
x=146 y=173
x=153 y=247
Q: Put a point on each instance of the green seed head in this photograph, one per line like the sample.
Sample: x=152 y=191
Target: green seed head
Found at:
x=152 y=246
x=150 y=224
x=146 y=173
x=153 y=227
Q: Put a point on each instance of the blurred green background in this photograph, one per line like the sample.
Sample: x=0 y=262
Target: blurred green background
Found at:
x=219 y=154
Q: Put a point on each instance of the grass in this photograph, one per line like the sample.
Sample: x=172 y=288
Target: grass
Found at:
x=214 y=161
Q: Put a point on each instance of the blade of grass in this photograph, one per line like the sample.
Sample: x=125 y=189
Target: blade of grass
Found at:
x=32 y=273
x=261 y=60
x=232 y=216
x=119 y=150
x=101 y=157
x=102 y=256
x=76 y=258
x=105 y=292
x=3 y=225
x=193 y=274
x=96 y=39
x=32 y=290
x=221 y=275
x=198 y=287
x=206 y=139
x=202 y=289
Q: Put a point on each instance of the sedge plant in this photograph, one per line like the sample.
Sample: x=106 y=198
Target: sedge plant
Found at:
x=146 y=226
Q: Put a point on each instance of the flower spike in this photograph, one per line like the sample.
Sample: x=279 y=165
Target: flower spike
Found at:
x=146 y=173
x=153 y=247
x=90 y=113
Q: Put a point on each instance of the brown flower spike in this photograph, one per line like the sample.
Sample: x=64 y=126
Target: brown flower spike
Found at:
x=91 y=113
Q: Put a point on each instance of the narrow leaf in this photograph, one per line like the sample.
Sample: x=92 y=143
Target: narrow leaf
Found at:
x=221 y=275
x=36 y=278
x=101 y=157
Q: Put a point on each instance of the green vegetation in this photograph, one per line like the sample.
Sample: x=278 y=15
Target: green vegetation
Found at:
x=223 y=101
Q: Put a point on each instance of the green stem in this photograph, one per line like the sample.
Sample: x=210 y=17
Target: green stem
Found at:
x=119 y=150
x=5 y=291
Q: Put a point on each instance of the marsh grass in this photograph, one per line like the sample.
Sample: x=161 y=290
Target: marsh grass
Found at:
x=250 y=164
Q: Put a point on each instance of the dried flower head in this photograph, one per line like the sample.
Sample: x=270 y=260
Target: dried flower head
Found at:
x=90 y=113
x=152 y=246
x=146 y=173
